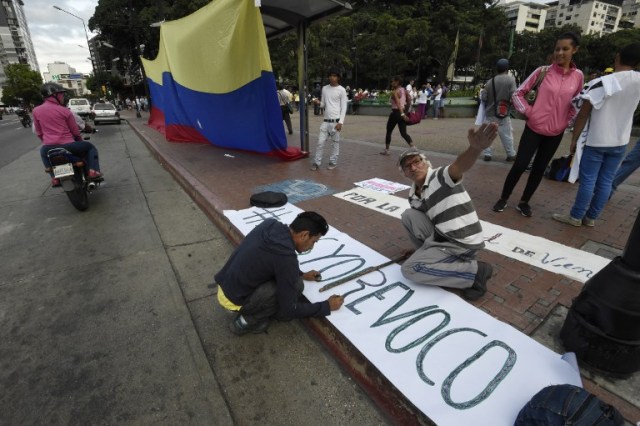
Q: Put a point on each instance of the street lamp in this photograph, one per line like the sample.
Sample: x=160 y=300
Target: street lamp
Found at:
x=86 y=34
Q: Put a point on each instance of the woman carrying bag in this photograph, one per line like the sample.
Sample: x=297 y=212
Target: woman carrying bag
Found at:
x=545 y=100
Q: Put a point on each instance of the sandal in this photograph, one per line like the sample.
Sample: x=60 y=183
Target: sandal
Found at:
x=385 y=152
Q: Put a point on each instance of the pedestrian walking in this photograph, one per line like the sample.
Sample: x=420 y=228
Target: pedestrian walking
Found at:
x=497 y=98
x=423 y=96
x=606 y=113
x=397 y=116
x=334 y=104
x=546 y=119
x=284 y=97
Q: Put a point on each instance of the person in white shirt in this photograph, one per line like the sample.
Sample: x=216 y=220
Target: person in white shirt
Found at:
x=334 y=102
x=410 y=86
x=423 y=97
x=606 y=112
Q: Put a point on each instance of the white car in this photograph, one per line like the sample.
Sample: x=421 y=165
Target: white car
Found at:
x=105 y=112
x=80 y=106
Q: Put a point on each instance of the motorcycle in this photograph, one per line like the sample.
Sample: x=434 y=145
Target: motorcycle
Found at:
x=25 y=118
x=72 y=173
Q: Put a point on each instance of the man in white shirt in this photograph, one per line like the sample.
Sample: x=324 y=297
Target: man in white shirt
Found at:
x=334 y=102
x=608 y=104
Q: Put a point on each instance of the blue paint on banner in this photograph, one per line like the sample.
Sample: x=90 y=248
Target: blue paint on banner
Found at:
x=298 y=189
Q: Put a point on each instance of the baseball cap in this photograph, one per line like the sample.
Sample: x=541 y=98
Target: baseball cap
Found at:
x=502 y=65
x=608 y=70
x=411 y=152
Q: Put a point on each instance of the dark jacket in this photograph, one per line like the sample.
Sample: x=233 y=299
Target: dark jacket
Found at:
x=268 y=254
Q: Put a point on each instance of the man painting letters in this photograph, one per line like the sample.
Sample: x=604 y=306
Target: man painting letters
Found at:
x=262 y=279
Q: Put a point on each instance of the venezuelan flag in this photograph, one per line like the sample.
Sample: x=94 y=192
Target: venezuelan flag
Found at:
x=212 y=81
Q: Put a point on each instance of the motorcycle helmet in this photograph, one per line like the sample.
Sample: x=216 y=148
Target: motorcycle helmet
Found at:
x=50 y=89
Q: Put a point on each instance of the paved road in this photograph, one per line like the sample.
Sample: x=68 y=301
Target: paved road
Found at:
x=15 y=140
x=106 y=316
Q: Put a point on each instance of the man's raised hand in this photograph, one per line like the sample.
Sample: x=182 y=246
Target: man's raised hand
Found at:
x=483 y=136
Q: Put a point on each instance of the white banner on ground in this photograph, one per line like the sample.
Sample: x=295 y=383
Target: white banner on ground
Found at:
x=454 y=362
x=536 y=251
x=382 y=185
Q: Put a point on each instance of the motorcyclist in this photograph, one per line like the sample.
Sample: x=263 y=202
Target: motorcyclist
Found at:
x=56 y=127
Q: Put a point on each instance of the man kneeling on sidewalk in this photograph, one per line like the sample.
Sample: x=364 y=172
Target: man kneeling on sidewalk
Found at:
x=262 y=278
x=442 y=221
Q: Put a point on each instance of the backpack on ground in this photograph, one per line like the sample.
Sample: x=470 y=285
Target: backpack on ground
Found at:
x=559 y=168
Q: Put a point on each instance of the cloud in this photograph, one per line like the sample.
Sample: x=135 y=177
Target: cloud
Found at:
x=57 y=36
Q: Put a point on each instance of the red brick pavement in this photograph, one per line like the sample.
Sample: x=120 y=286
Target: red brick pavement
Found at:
x=518 y=294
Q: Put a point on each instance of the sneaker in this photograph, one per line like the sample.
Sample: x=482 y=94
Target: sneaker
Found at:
x=479 y=287
x=500 y=205
x=315 y=167
x=511 y=158
x=94 y=174
x=525 y=209
x=332 y=166
x=588 y=222
x=55 y=182
x=565 y=218
x=240 y=327
x=487 y=158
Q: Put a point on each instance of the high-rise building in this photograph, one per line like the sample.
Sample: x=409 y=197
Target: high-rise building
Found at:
x=15 y=40
x=524 y=15
x=630 y=16
x=592 y=16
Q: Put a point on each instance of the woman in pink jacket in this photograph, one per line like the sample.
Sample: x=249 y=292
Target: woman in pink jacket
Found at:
x=547 y=119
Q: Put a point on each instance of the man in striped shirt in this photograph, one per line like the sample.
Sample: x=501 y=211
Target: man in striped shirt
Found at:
x=442 y=221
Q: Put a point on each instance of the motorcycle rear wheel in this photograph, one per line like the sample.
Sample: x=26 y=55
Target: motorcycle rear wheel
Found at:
x=79 y=197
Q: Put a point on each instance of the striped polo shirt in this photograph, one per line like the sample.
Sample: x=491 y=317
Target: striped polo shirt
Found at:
x=448 y=206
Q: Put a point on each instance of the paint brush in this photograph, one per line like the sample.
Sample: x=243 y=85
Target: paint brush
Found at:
x=364 y=271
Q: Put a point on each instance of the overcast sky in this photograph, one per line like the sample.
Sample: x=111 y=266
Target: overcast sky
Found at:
x=57 y=36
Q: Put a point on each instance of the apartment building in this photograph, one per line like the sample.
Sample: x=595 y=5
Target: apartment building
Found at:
x=525 y=15
x=15 y=40
x=630 y=16
x=592 y=16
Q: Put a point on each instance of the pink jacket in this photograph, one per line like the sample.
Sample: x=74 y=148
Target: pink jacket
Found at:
x=54 y=124
x=553 y=111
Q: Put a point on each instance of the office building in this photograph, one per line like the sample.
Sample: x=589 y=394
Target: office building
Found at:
x=67 y=77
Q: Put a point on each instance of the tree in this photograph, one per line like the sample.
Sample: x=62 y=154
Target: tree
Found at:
x=22 y=86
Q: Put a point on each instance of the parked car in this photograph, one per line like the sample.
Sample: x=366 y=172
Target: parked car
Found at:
x=105 y=113
x=80 y=106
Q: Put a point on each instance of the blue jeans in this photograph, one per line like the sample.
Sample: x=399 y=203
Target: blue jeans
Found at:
x=81 y=149
x=561 y=405
x=629 y=165
x=598 y=166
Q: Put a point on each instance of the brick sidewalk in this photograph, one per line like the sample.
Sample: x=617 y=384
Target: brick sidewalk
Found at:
x=518 y=294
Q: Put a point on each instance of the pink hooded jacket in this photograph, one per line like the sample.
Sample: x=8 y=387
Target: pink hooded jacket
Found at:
x=553 y=111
